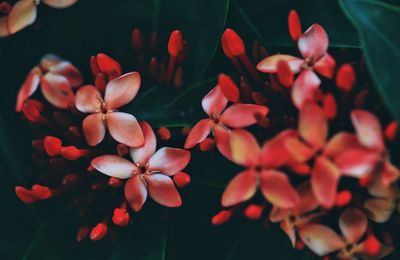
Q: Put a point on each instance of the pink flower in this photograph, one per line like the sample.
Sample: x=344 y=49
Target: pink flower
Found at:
x=221 y=119
x=260 y=164
x=149 y=173
x=56 y=77
x=123 y=127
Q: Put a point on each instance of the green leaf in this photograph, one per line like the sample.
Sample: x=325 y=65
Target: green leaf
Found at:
x=380 y=39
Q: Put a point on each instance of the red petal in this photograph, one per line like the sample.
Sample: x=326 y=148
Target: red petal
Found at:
x=321 y=239
x=135 y=192
x=52 y=145
x=329 y=106
x=198 y=133
x=353 y=224
x=122 y=90
x=345 y=77
x=59 y=3
x=88 y=99
x=356 y=162
x=222 y=141
x=285 y=74
x=313 y=43
x=142 y=154
x=313 y=126
x=22 y=14
x=244 y=147
x=241 y=188
x=274 y=153
x=379 y=210
x=108 y=66
x=41 y=192
x=25 y=195
x=277 y=189
x=233 y=42
x=169 y=160
x=125 y=129
x=304 y=88
x=175 y=43
x=229 y=88
x=214 y=102
x=294 y=25
x=325 y=66
x=114 y=166
x=297 y=151
x=308 y=201
x=69 y=71
x=324 y=180
x=368 y=129
x=57 y=90
x=28 y=87
x=242 y=115
x=270 y=64
x=94 y=129
x=162 y=189
x=339 y=143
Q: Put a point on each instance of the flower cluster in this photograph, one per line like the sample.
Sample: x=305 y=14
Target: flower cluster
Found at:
x=321 y=154
x=84 y=140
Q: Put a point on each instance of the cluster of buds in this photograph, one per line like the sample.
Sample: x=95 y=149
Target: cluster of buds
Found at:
x=91 y=152
x=322 y=154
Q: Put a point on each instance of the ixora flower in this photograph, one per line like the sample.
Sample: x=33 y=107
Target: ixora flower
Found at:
x=123 y=127
x=23 y=13
x=353 y=224
x=221 y=119
x=56 y=78
x=150 y=172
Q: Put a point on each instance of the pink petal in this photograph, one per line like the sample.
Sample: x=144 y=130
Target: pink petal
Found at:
x=69 y=71
x=368 y=129
x=22 y=14
x=125 y=129
x=278 y=190
x=214 y=102
x=304 y=88
x=278 y=214
x=313 y=126
x=324 y=180
x=28 y=87
x=244 y=147
x=57 y=90
x=122 y=90
x=135 y=192
x=379 y=210
x=340 y=142
x=274 y=153
x=308 y=201
x=270 y=64
x=162 y=189
x=353 y=224
x=198 y=133
x=59 y=3
x=88 y=99
x=313 y=44
x=389 y=174
x=321 y=239
x=142 y=154
x=325 y=66
x=229 y=88
x=222 y=141
x=356 y=162
x=296 y=150
x=241 y=188
x=242 y=115
x=114 y=166
x=50 y=60
x=94 y=129
x=169 y=160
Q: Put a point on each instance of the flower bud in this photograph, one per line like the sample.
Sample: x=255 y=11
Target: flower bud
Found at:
x=120 y=217
x=222 y=217
x=98 y=232
x=181 y=179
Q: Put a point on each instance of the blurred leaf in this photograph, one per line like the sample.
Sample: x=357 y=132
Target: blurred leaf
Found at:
x=380 y=39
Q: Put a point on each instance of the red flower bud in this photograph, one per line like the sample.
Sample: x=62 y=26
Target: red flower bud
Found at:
x=164 y=133
x=108 y=66
x=372 y=245
x=31 y=111
x=122 y=150
x=229 y=88
x=231 y=41
x=41 y=192
x=329 y=106
x=345 y=77
x=121 y=217
x=25 y=195
x=343 y=198
x=207 y=144
x=52 y=145
x=93 y=66
x=72 y=153
x=137 y=39
x=100 y=81
x=186 y=130
x=175 y=43
x=114 y=182
x=391 y=131
x=181 y=179
x=98 y=232
x=83 y=232
x=253 y=211
x=294 y=25
x=222 y=217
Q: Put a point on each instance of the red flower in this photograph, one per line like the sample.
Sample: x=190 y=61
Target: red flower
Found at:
x=123 y=127
x=221 y=119
x=56 y=77
x=149 y=174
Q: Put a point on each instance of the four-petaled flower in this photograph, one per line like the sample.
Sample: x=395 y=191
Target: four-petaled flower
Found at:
x=123 y=127
x=149 y=173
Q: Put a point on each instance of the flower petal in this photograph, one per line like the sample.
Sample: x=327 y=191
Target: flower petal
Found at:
x=308 y=201
x=114 y=166
x=94 y=129
x=135 y=192
x=142 y=154
x=389 y=174
x=274 y=152
x=214 y=102
x=125 y=129
x=379 y=210
x=122 y=90
x=270 y=64
x=28 y=87
x=321 y=239
x=278 y=190
x=296 y=150
x=169 y=160
x=198 y=133
x=242 y=115
x=22 y=14
x=229 y=88
x=289 y=230
x=241 y=188
x=356 y=162
x=339 y=143
x=313 y=44
x=368 y=129
x=244 y=147
x=325 y=66
x=324 y=181
x=294 y=25
x=162 y=189
x=69 y=71
x=313 y=126
x=222 y=141
x=88 y=99
x=353 y=224
x=59 y=3
x=57 y=90
x=304 y=88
